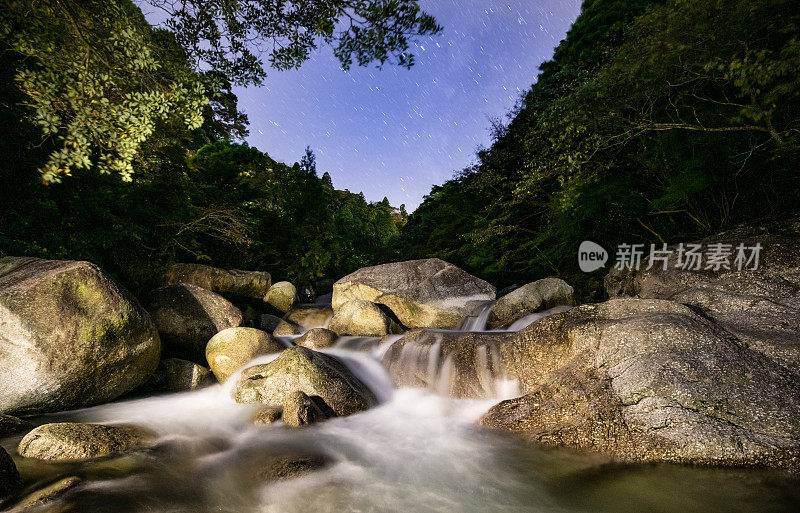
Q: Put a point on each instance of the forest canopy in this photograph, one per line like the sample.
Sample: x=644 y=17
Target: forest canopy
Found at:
x=655 y=121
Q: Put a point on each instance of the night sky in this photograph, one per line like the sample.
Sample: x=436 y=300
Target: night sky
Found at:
x=395 y=132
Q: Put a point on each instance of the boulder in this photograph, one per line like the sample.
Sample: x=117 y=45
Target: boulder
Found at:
x=176 y=375
x=362 y=318
x=71 y=336
x=234 y=282
x=301 y=410
x=10 y=425
x=317 y=338
x=316 y=374
x=420 y=293
x=187 y=316
x=760 y=306
x=68 y=441
x=268 y=322
x=649 y=380
x=281 y=295
x=533 y=297
x=452 y=363
x=10 y=481
x=233 y=348
x=309 y=316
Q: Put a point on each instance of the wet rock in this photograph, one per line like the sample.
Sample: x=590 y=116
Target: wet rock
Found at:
x=761 y=307
x=282 y=296
x=187 y=316
x=456 y=364
x=362 y=318
x=10 y=425
x=233 y=348
x=268 y=322
x=268 y=415
x=286 y=329
x=280 y=465
x=233 y=282
x=40 y=498
x=533 y=297
x=10 y=481
x=301 y=410
x=71 y=336
x=68 y=441
x=317 y=338
x=176 y=375
x=316 y=374
x=649 y=380
x=309 y=316
x=420 y=293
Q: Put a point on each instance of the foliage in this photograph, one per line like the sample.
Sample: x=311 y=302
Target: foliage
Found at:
x=655 y=121
x=97 y=79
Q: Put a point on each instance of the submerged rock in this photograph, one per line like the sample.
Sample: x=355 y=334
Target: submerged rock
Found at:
x=317 y=338
x=39 y=499
x=760 y=306
x=362 y=318
x=316 y=374
x=233 y=348
x=533 y=297
x=10 y=481
x=281 y=295
x=187 y=316
x=71 y=336
x=301 y=410
x=420 y=293
x=309 y=316
x=67 y=441
x=233 y=282
x=649 y=380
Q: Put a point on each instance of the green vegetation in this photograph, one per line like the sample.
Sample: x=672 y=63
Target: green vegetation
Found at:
x=655 y=121
x=116 y=149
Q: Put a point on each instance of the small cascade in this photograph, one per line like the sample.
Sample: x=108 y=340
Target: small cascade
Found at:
x=450 y=363
x=477 y=322
x=524 y=322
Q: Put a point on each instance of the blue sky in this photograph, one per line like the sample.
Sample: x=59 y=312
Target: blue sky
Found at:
x=395 y=132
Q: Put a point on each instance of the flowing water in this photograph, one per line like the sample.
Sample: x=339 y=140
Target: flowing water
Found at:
x=418 y=451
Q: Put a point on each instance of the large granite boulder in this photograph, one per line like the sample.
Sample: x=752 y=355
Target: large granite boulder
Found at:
x=362 y=318
x=420 y=293
x=760 y=306
x=315 y=374
x=70 y=336
x=233 y=348
x=281 y=296
x=187 y=316
x=231 y=283
x=70 y=441
x=650 y=380
x=533 y=297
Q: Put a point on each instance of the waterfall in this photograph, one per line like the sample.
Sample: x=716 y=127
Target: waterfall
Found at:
x=478 y=321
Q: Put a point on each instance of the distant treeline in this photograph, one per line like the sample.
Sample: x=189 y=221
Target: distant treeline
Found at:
x=655 y=121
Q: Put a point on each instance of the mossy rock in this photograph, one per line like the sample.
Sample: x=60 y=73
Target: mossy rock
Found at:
x=311 y=372
x=71 y=336
x=282 y=296
x=363 y=318
x=226 y=282
x=233 y=348
x=317 y=338
x=71 y=441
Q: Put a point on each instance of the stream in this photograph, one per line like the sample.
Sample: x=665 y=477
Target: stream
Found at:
x=418 y=451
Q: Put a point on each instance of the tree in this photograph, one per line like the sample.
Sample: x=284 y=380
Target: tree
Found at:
x=97 y=79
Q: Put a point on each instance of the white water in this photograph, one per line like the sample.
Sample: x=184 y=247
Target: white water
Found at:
x=418 y=451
